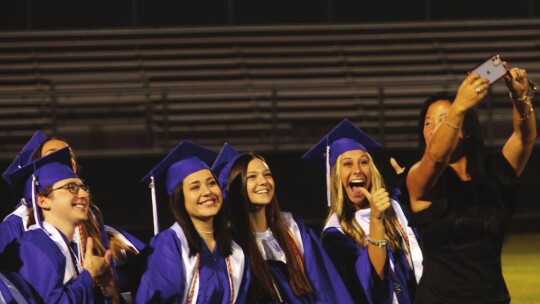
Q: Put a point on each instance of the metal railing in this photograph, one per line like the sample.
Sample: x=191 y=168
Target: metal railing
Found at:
x=157 y=103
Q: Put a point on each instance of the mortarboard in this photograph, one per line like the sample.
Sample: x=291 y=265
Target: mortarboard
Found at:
x=184 y=159
x=25 y=155
x=344 y=137
x=35 y=176
x=223 y=164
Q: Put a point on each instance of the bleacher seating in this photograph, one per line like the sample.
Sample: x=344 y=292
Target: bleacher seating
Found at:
x=258 y=87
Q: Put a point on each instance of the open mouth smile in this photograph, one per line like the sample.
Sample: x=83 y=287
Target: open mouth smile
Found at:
x=356 y=184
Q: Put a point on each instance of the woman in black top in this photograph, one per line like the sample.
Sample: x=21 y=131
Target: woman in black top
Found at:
x=462 y=198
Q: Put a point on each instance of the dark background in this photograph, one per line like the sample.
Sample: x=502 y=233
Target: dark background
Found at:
x=115 y=181
x=67 y=14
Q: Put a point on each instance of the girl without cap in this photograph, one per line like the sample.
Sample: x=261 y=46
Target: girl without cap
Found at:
x=462 y=197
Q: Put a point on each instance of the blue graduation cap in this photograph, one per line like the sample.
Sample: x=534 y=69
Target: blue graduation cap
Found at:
x=25 y=155
x=184 y=159
x=35 y=176
x=223 y=164
x=344 y=137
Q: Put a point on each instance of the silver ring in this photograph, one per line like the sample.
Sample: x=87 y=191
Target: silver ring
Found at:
x=478 y=90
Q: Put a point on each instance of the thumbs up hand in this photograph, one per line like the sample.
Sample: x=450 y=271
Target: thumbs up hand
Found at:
x=379 y=201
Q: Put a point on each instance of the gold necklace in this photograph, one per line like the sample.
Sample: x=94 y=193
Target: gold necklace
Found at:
x=206 y=232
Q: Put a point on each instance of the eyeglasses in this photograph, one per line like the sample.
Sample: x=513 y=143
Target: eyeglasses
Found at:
x=72 y=187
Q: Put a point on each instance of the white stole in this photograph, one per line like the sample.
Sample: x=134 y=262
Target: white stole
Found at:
x=268 y=245
x=237 y=260
x=70 y=272
x=416 y=252
x=22 y=212
x=363 y=216
x=288 y=220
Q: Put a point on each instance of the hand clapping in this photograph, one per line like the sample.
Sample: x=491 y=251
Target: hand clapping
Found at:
x=96 y=265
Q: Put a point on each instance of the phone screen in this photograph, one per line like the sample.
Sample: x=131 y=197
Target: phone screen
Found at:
x=492 y=69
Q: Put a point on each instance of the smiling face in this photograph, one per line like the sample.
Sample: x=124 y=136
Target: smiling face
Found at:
x=260 y=183
x=202 y=195
x=62 y=206
x=355 y=172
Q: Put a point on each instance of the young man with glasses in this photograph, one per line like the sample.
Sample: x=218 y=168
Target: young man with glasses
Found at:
x=46 y=257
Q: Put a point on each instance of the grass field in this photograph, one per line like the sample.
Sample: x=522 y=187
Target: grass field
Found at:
x=521 y=267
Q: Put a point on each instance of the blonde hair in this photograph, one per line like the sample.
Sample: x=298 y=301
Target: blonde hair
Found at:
x=345 y=211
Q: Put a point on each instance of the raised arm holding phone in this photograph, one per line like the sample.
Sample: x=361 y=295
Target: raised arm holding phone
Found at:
x=462 y=197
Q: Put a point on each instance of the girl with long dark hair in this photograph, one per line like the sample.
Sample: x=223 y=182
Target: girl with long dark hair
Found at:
x=195 y=260
x=288 y=264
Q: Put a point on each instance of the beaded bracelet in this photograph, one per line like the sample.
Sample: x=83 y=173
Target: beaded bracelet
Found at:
x=377 y=243
x=526 y=115
x=527 y=100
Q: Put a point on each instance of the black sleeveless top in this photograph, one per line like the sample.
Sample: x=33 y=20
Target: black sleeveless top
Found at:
x=462 y=233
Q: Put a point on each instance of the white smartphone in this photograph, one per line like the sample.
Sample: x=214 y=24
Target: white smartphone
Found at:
x=492 y=69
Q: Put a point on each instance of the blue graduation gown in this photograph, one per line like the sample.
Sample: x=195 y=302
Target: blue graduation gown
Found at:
x=325 y=280
x=126 y=277
x=12 y=227
x=170 y=269
x=353 y=264
x=14 y=224
x=14 y=290
x=49 y=268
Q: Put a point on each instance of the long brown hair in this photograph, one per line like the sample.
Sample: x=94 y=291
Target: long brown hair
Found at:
x=222 y=234
x=262 y=287
x=344 y=209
